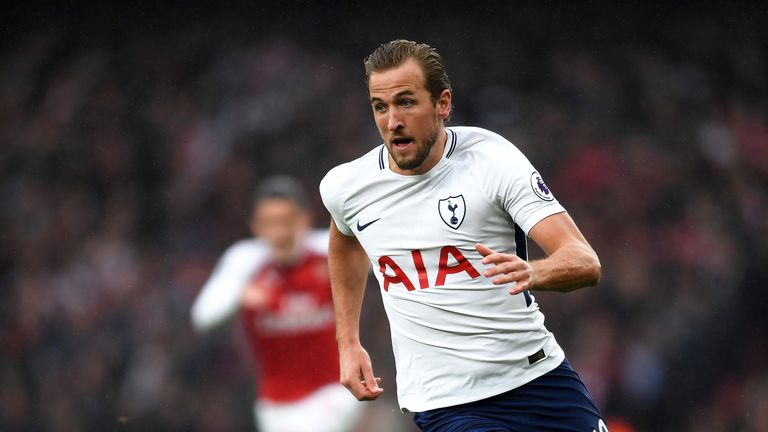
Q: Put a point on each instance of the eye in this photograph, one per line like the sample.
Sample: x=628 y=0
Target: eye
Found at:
x=406 y=103
x=380 y=107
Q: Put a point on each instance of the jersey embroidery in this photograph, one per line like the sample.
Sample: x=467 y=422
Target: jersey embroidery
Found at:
x=360 y=228
x=452 y=210
x=539 y=188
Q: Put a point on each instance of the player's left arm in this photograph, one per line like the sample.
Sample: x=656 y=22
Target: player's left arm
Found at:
x=571 y=263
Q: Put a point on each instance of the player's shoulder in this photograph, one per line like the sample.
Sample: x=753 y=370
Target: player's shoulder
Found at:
x=477 y=138
x=334 y=182
x=247 y=250
x=479 y=144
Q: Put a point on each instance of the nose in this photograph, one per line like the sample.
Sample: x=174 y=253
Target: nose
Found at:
x=394 y=121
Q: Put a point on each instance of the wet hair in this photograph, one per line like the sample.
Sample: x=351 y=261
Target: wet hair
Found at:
x=394 y=53
x=281 y=186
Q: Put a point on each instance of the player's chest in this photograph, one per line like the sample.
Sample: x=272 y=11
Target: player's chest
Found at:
x=306 y=284
x=299 y=299
x=446 y=210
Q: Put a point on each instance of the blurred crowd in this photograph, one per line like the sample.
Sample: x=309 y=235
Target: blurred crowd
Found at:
x=126 y=167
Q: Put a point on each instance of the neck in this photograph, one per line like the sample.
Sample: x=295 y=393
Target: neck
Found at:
x=289 y=255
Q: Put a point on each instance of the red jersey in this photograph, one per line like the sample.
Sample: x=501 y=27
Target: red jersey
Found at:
x=293 y=338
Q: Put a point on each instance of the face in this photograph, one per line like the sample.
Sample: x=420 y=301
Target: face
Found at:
x=409 y=121
x=279 y=222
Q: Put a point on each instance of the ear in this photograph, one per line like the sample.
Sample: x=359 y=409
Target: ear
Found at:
x=444 y=105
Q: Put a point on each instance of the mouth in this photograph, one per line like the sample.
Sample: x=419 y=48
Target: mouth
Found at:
x=401 y=142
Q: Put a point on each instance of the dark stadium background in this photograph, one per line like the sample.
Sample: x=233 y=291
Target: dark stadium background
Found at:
x=131 y=137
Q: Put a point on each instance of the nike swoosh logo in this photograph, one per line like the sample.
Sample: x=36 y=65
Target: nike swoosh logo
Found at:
x=362 y=227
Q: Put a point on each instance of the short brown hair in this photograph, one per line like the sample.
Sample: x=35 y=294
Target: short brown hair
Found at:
x=394 y=53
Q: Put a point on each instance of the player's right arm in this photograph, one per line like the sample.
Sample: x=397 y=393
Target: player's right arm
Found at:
x=348 y=265
x=221 y=295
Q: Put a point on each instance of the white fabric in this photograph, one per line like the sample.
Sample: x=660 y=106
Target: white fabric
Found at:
x=468 y=339
x=219 y=300
x=329 y=409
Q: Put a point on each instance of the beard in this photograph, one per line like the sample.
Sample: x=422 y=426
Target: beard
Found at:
x=408 y=162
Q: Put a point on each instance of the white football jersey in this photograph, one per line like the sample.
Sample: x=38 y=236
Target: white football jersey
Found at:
x=456 y=337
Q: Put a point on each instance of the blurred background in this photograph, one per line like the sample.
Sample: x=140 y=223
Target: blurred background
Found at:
x=131 y=138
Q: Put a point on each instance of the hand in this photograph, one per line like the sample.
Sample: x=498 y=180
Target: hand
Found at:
x=256 y=296
x=511 y=267
x=357 y=373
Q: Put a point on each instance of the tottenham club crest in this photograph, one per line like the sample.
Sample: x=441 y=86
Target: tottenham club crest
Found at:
x=539 y=188
x=452 y=210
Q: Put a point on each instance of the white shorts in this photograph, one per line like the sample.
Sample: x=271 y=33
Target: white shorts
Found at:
x=331 y=408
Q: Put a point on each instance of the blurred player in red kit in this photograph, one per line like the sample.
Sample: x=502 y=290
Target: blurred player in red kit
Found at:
x=279 y=282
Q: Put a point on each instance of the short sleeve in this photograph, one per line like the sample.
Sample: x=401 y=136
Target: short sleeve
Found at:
x=332 y=193
x=519 y=188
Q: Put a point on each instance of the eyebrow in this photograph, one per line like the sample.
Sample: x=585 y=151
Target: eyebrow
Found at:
x=397 y=95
